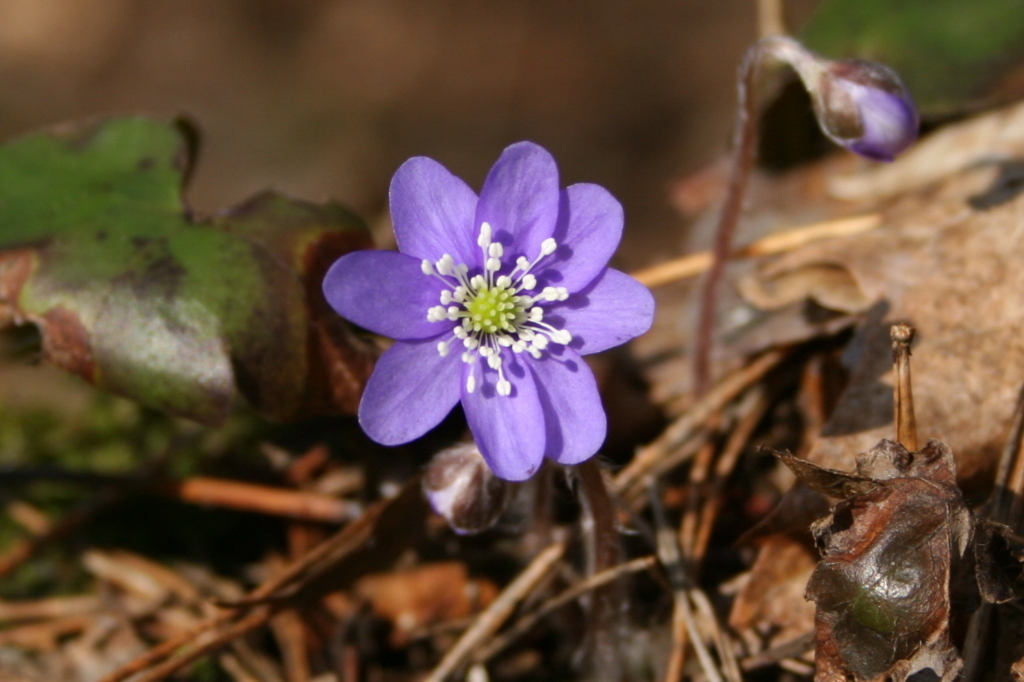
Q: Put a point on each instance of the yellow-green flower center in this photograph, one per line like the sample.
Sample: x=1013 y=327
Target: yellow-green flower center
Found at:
x=493 y=308
x=495 y=313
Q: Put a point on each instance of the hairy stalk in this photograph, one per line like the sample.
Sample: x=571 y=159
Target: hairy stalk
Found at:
x=602 y=545
x=744 y=144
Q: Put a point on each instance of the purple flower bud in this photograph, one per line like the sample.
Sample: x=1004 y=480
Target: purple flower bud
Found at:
x=864 y=107
x=462 y=488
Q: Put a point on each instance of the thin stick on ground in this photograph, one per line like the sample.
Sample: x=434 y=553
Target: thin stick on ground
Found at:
x=1005 y=507
x=295 y=504
x=22 y=551
x=527 y=622
x=729 y=665
x=791 y=649
x=684 y=627
x=256 y=619
x=903 y=402
x=751 y=412
x=678 y=431
x=488 y=622
x=290 y=635
x=273 y=593
x=696 y=487
x=694 y=264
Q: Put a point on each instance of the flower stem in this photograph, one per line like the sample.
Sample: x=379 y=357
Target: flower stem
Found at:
x=603 y=550
x=745 y=131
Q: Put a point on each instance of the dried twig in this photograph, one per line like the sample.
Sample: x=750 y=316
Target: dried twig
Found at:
x=290 y=634
x=266 y=600
x=22 y=551
x=1004 y=507
x=903 y=402
x=681 y=429
x=53 y=607
x=751 y=412
x=683 y=623
x=695 y=487
x=205 y=645
x=488 y=622
x=45 y=634
x=294 y=504
x=528 y=621
x=790 y=649
x=694 y=264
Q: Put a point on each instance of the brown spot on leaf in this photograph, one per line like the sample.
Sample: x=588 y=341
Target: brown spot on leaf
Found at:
x=15 y=269
x=341 y=364
x=66 y=343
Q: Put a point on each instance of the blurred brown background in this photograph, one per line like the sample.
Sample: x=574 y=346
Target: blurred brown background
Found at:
x=325 y=98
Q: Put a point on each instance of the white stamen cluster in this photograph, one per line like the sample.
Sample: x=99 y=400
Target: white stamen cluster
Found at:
x=492 y=310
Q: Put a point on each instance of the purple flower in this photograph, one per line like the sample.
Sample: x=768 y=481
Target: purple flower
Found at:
x=492 y=301
x=865 y=107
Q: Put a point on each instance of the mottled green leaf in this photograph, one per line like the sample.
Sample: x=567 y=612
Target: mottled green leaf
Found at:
x=98 y=249
x=951 y=54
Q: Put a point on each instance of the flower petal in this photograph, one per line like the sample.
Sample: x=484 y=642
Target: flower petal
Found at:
x=509 y=430
x=432 y=211
x=520 y=199
x=410 y=391
x=573 y=415
x=588 y=232
x=613 y=309
x=385 y=292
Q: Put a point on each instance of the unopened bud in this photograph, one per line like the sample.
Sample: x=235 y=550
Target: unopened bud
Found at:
x=864 y=107
x=461 y=487
x=860 y=105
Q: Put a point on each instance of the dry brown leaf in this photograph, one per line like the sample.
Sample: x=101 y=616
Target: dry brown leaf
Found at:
x=945 y=261
x=424 y=596
x=772 y=600
x=895 y=565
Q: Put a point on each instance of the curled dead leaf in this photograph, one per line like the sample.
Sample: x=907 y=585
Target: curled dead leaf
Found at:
x=895 y=565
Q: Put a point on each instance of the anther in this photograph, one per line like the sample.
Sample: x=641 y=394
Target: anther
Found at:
x=484 y=240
